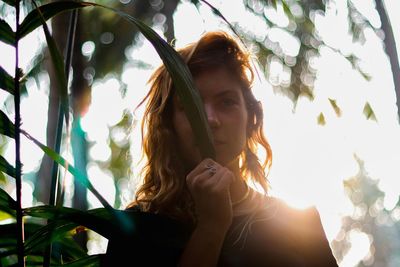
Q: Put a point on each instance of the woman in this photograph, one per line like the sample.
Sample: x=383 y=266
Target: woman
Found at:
x=207 y=208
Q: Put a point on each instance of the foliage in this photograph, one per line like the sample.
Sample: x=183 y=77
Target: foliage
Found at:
x=57 y=224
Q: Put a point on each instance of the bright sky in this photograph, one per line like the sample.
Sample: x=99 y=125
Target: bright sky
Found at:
x=310 y=161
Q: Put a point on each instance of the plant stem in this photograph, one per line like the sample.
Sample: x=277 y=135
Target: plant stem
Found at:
x=18 y=179
x=60 y=125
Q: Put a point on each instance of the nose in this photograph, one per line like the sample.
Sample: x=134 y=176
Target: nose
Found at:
x=212 y=116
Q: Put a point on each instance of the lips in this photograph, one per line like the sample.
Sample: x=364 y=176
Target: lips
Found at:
x=218 y=142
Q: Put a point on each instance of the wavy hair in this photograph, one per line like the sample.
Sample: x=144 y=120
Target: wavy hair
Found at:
x=163 y=189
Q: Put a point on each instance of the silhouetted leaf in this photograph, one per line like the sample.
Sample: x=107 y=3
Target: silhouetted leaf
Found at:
x=6 y=81
x=10 y=2
x=82 y=178
x=58 y=64
x=6 y=33
x=8 y=232
x=177 y=68
x=88 y=261
x=7 y=167
x=6 y=126
x=33 y=20
x=184 y=85
x=64 y=220
x=7 y=203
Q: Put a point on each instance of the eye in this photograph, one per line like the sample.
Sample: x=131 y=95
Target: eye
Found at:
x=228 y=102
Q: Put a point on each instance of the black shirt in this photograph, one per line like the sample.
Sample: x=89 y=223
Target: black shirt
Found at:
x=277 y=236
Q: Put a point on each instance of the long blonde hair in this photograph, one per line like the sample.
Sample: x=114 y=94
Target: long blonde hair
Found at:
x=163 y=189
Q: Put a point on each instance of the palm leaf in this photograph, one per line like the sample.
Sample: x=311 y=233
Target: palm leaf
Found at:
x=6 y=126
x=7 y=203
x=6 y=81
x=33 y=20
x=7 y=167
x=10 y=2
x=82 y=178
x=177 y=68
x=88 y=261
x=58 y=64
x=184 y=85
x=6 y=33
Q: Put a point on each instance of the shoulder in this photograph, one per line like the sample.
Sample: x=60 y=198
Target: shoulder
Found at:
x=302 y=222
x=284 y=211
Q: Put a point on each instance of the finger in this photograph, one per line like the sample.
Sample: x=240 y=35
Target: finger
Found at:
x=225 y=180
x=205 y=165
x=208 y=178
x=197 y=180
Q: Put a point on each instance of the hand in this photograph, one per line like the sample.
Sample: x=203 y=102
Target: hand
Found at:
x=209 y=185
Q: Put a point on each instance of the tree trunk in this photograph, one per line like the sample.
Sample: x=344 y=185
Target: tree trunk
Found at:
x=390 y=48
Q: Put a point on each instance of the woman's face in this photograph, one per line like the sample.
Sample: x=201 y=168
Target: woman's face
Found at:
x=226 y=115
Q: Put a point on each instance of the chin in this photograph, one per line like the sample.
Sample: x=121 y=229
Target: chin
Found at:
x=226 y=161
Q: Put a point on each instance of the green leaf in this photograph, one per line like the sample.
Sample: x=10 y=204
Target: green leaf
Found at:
x=99 y=220
x=7 y=203
x=58 y=64
x=88 y=261
x=47 y=234
x=33 y=20
x=10 y=2
x=369 y=112
x=6 y=33
x=6 y=81
x=321 y=119
x=82 y=178
x=184 y=85
x=8 y=233
x=7 y=167
x=274 y=4
x=335 y=107
x=177 y=68
x=6 y=126
x=63 y=220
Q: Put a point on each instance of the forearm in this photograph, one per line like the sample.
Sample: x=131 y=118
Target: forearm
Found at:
x=203 y=248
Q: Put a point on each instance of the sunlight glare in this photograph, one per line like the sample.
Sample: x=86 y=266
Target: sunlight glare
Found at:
x=103 y=182
x=360 y=247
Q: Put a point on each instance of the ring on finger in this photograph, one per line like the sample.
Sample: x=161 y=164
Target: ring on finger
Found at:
x=211 y=168
x=212 y=171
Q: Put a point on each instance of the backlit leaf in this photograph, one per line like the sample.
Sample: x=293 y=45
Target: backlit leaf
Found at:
x=321 y=119
x=335 y=107
x=369 y=112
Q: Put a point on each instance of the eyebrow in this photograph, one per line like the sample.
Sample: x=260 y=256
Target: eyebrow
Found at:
x=226 y=92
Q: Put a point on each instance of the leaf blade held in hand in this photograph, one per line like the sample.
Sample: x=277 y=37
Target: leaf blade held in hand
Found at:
x=180 y=74
x=184 y=85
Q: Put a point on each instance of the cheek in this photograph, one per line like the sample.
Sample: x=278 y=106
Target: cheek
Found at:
x=181 y=126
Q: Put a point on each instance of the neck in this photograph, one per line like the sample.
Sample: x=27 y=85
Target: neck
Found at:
x=238 y=189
